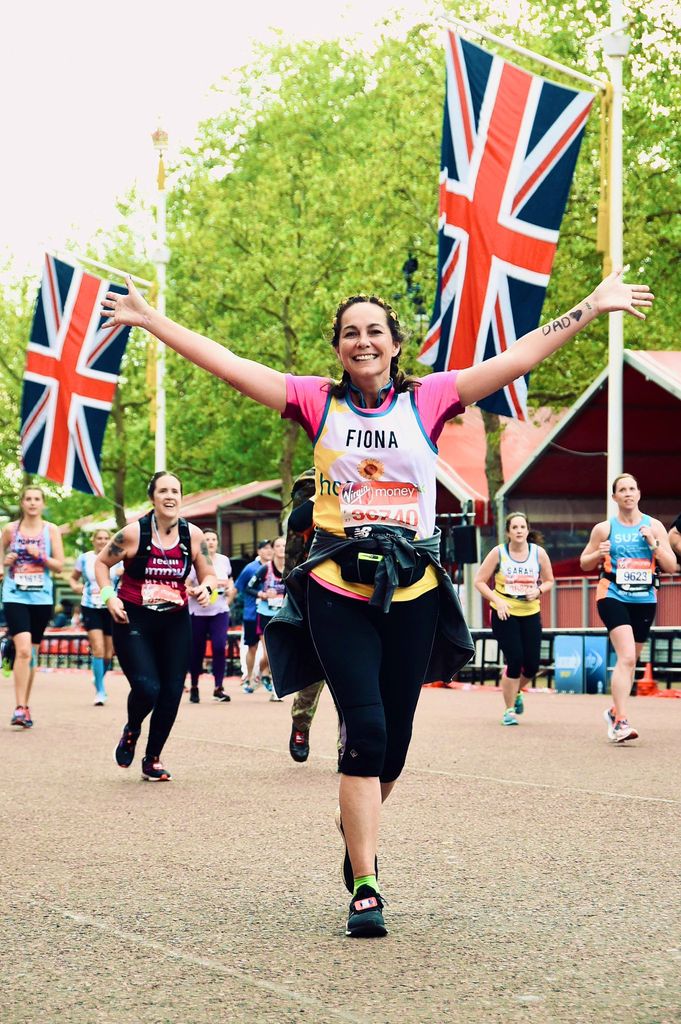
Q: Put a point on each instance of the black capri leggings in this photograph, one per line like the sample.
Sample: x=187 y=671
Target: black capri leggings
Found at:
x=153 y=650
x=375 y=664
x=519 y=637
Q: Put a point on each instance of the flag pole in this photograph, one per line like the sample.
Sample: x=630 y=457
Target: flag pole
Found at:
x=615 y=49
x=522 y=50
x=69 y=257
x=161 y=258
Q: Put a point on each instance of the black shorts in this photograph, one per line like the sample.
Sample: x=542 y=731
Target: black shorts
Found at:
x=28 y=618
x=251 y=636
x=261 y=622
x=624 y=613
x=96 y=618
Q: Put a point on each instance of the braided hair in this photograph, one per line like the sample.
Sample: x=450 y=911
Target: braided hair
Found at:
x=401 y=382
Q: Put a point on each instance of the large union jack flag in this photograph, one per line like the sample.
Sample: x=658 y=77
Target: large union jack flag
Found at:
x=510 y=141
x=72 y=365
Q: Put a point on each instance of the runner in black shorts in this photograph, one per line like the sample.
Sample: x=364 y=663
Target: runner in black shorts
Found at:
x=96 y=617
x=371 y=610
x=152 y=632
x=627 y=548
x=522 y=573
x=30 y=552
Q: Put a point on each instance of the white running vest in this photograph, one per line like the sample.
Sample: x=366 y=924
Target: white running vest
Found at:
x=515 y=579
x=374 y=468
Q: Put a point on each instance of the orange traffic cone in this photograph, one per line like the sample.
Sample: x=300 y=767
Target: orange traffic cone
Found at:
x=646 y=686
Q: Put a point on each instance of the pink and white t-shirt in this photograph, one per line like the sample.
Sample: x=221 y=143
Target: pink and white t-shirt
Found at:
x=374 y=465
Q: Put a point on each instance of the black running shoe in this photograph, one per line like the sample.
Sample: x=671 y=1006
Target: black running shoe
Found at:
x=153 y=770
x=221 y=696
x=299 y=745
x=124 y=753
x=7 y=653
x=194 y=695
x=365 y=920
x=346 y=867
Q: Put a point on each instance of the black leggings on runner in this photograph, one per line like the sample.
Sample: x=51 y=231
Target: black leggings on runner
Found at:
x=519 y=637
x=153 y=651
x=375 y=664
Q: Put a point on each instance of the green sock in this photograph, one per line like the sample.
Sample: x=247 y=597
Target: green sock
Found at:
x=369 y=880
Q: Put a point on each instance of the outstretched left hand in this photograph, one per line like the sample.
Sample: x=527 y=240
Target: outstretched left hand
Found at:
x=613 y=294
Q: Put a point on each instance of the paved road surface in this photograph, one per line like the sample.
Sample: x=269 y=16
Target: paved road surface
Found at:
x=532 y=874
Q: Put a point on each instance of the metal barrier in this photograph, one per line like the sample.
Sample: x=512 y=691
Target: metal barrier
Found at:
x=662 y=650
x=65 y=648
x=69 y=649
x=571 y=603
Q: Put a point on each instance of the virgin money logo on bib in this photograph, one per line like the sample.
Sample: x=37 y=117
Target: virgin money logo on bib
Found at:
x=381 y=501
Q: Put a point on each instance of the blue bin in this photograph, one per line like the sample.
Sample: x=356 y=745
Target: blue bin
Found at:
x=568 y=656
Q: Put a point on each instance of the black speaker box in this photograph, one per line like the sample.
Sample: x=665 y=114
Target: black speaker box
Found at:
x=465 y=545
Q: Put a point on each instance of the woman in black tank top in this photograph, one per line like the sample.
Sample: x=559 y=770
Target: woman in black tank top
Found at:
x=151 y=627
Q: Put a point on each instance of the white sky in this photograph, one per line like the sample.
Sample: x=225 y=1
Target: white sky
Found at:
x=84 y=83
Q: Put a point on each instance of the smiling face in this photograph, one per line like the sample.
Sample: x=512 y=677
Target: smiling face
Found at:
x=366 y=345
x=100 y=540
x=167 y=496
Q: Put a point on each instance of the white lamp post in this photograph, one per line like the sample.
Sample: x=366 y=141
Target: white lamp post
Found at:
x=161 y=258
x=615 y=49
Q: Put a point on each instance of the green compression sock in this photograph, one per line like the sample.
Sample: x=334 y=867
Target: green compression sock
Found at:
x=369 y=880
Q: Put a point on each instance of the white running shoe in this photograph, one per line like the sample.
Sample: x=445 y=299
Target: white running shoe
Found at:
x=610 y=719
x=623 y=731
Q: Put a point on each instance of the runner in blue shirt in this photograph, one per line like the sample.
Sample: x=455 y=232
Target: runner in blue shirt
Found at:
x=96 y=617
x=251 y=678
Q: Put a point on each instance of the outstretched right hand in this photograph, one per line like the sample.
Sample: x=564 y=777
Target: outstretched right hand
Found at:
x=129 y=310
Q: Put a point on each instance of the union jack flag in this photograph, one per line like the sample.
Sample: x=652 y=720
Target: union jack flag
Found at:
x=510 y=141
x=72 y=365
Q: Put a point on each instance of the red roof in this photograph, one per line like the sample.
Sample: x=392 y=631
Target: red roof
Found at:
x=194 y=506
x=462 y=446
x=573 y=459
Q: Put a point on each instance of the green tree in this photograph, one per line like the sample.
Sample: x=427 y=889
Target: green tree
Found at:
x=317 y=180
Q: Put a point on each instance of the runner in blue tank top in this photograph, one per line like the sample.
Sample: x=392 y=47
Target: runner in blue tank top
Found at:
x=96 y=617
x=31 y=550
x=628 y=549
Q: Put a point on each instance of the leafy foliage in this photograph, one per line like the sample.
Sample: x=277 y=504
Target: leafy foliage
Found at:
x=316 y=181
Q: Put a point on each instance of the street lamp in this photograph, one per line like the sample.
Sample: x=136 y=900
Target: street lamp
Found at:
x=413 y=290
x=161 y=258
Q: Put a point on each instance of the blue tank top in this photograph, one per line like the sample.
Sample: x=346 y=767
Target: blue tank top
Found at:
x=85 y=564
x=632 y=561
x=28 y=581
